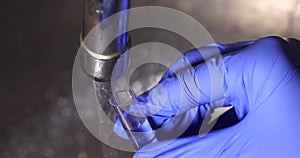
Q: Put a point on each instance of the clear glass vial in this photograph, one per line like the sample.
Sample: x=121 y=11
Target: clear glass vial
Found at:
x=138 y=129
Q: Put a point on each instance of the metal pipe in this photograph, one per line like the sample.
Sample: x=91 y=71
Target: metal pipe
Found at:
x=100 y=69
x=99 y=65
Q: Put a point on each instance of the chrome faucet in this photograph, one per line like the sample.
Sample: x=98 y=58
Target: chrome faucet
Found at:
x=94 y=12
x=100 y=65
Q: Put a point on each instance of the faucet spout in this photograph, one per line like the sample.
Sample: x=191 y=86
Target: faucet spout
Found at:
x=99 y=65
x=106 y=44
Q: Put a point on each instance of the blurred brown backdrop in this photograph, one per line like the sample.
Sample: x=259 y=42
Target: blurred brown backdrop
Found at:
x=39 y=41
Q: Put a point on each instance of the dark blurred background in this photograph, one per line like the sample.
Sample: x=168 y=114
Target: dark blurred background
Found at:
x=39 y=41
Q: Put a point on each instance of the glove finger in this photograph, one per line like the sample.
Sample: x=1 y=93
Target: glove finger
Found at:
x=191 y=85
x=187 y=89
x=196 y=56
x=244 y=79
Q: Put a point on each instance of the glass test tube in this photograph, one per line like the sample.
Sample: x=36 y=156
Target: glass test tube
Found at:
x=138 y=129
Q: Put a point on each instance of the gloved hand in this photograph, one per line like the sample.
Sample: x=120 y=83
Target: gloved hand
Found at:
x=259 y=79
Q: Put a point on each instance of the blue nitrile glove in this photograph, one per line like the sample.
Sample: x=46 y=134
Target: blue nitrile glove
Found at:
x=259 y=79
x=191 y=58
